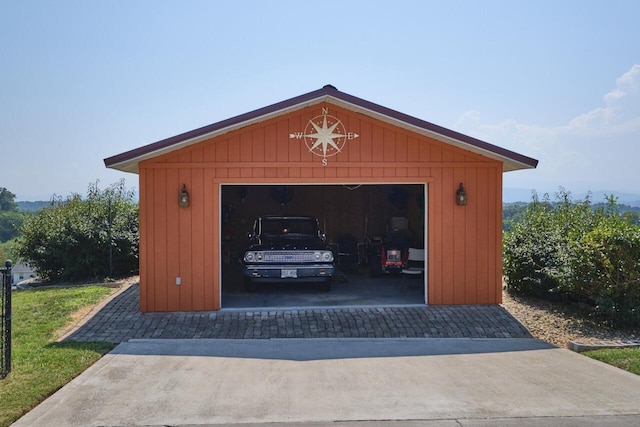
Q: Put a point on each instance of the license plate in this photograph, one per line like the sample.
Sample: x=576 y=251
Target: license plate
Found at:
x=289 y=274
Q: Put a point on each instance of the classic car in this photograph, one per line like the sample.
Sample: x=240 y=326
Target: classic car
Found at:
x=287 y=249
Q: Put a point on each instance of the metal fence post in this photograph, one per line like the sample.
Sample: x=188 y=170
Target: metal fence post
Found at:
x=7 y=281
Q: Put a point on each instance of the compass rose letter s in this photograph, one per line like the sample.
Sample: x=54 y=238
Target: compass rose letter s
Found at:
x=324 y=136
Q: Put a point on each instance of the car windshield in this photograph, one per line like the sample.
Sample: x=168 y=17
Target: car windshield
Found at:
x=288 y=226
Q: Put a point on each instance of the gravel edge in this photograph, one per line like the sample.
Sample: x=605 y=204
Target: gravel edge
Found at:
x=558 y=324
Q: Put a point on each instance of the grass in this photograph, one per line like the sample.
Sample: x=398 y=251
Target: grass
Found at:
x=40 y=365
x=623 y=358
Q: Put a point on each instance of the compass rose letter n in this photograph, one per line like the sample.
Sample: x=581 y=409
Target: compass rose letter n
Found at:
x=324 y=136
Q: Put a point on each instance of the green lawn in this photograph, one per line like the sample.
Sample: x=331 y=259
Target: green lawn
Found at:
x=40 y=366
x=624 y=358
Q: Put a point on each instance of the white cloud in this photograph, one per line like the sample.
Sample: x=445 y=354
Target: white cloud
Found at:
x=598 y=150
x=622 y=107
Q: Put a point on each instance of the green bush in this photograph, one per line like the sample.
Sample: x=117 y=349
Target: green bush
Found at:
x=78 y=238
x=530 y=249
x=571 y=251
x=606 y=270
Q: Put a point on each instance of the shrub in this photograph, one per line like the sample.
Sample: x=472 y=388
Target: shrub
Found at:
x=606 y=270
x=571 y=251
x=529 y=250
x=536 y=250
x=78 y=238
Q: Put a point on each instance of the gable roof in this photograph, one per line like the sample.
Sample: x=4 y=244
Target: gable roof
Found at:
x=129 y=160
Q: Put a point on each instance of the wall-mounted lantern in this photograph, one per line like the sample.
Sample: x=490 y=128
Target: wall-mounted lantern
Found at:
x=461 y=196
x=183 y=197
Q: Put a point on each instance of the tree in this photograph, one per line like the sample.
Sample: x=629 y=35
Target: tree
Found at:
x=10 y=216
x=7 y=201
x=10 y=224
x=76 y=238
x=631 y=217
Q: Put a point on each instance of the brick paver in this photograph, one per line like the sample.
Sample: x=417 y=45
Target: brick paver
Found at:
x=120 y=320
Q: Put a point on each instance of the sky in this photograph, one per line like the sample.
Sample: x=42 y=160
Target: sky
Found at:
x=83 y=80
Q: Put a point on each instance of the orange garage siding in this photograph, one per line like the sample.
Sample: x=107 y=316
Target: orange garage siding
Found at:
x=464 y=242
x=266 y=146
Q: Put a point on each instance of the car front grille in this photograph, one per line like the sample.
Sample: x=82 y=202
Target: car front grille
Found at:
x=288 y=256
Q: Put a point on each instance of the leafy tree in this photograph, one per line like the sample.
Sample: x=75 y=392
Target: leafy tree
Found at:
x=7 y=251
x=7 y=200
x=631 y=217
x=512 y=213
x=10 y=224
x=76 y=238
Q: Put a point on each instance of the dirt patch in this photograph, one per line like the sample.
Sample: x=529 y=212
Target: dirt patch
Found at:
x=558 y=324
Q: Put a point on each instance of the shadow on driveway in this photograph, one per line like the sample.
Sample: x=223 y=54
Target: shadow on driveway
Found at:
x=326 y=349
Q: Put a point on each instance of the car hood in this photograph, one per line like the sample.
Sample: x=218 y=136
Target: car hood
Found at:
x=302 y=243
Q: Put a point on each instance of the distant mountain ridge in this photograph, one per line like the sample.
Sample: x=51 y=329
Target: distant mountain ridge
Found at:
x=32 y=206
x=513 y=195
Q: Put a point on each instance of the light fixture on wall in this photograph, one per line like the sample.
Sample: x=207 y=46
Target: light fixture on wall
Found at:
x=183 y=197
x=461 y=196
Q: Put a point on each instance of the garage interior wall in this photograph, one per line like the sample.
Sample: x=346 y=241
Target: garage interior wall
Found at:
x=357 y=210
x=464 y=256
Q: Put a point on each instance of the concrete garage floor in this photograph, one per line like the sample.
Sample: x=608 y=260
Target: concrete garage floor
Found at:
x=356 y=288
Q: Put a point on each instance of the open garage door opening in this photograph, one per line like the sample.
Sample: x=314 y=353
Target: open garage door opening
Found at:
x=368 y=229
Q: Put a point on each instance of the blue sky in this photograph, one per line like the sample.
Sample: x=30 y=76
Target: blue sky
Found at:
x=85 y=80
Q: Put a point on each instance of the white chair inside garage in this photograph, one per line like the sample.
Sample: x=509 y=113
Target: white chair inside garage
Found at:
x=415 y=264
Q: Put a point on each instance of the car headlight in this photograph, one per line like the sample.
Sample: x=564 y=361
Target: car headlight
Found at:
x=327 y=256
x=248 y=257
x=317 y=256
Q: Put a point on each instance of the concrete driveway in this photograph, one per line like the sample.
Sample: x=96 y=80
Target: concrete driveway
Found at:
x=358 y=382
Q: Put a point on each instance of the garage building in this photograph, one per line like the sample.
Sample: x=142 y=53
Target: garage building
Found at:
x=350 y=163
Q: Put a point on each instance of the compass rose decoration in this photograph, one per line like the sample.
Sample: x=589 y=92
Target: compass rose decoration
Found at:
x=324 y=136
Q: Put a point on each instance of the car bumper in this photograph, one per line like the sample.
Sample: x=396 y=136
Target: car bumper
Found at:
x=288 y=273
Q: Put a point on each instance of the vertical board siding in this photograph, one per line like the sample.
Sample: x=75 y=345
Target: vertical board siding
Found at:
x=185 y=231
x=160 y=248
x=173 y=237
x=459 y=241
x=464 y=264
x=471 y=238
x=197 y=283
x=144 y=244
x=497 y=286
x=210 y=193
